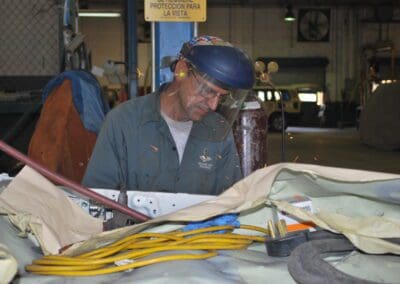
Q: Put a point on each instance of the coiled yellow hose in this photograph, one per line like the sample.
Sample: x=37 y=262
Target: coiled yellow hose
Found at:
x=128 y=252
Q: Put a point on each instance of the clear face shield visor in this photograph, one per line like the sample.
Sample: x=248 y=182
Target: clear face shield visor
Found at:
x=216 y=125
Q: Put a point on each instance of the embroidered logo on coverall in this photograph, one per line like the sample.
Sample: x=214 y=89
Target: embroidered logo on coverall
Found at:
x=205 y=161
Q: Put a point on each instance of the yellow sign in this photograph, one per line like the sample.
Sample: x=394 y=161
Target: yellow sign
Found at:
x=175 y=10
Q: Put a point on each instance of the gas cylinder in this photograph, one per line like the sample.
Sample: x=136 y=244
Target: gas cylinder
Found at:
x=250 y=133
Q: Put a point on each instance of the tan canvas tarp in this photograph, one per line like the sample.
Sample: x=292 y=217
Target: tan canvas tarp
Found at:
x=362 y=205
x=34 y=204
x=8 y=265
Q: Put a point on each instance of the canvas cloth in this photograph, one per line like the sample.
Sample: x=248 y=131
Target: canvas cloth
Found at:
x=362 y=205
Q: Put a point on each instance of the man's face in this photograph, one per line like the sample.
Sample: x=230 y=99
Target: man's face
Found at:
x=198 y=96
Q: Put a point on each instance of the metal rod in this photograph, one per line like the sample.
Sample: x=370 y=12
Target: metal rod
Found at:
x=131 y=47
x=153 y=56
x=195 y=29
x=71 y=184
x=283 y=158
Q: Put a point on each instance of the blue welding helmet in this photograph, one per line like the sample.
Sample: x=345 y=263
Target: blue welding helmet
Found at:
x=227 y=67
x=224 y=65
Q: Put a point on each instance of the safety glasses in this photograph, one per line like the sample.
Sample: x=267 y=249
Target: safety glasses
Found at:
x=217 y=124
x=203 y=89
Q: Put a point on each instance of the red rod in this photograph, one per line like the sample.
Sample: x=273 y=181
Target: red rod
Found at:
x=71 y=184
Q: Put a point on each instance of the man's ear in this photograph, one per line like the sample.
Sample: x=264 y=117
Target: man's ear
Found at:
x=181 y=70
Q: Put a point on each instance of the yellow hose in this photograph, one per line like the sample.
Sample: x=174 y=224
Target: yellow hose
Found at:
x=121 y=243
x=255 y=228
x=134 y=247
x=132 y=255
x=55 y=271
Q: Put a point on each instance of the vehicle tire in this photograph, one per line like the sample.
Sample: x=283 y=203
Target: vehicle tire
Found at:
x=275 y=122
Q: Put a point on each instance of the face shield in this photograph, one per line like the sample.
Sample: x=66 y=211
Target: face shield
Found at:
x=217 y=123
x=223 y=75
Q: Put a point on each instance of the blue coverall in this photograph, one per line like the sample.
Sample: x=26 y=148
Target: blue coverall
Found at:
x=135 y=148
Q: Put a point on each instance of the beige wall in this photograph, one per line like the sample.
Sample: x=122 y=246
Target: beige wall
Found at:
x=105 y=39
x=262 y=32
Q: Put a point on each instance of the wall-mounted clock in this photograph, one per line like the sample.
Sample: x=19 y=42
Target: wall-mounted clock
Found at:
x=313 y=25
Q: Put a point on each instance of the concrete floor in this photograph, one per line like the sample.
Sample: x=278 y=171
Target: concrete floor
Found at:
x=331 y=147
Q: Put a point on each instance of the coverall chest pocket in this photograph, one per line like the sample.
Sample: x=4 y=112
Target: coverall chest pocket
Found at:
x=148 y=168
x=204 y=182
x=202 y=172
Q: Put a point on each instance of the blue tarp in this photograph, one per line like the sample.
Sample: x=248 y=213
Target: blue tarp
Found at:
x=86 y=96
x=222 y=220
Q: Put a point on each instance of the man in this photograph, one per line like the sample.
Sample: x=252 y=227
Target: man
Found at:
x=172 y=140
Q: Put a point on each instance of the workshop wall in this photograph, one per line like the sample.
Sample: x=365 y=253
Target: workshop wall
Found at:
x=262 y=32
x=105 y=38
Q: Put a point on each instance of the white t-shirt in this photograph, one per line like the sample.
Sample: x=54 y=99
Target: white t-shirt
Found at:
x=180 y=131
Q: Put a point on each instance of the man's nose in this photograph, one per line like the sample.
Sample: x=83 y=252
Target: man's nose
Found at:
x=212 y=102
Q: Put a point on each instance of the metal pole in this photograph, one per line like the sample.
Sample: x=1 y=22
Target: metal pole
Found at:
x=195 y=29
x=131 y=47
x=71 y=184
x=153 y=56
x=283 y=158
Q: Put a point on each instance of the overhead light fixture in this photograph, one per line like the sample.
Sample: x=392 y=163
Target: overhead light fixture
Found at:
x=99 y=14
x=289 y=16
